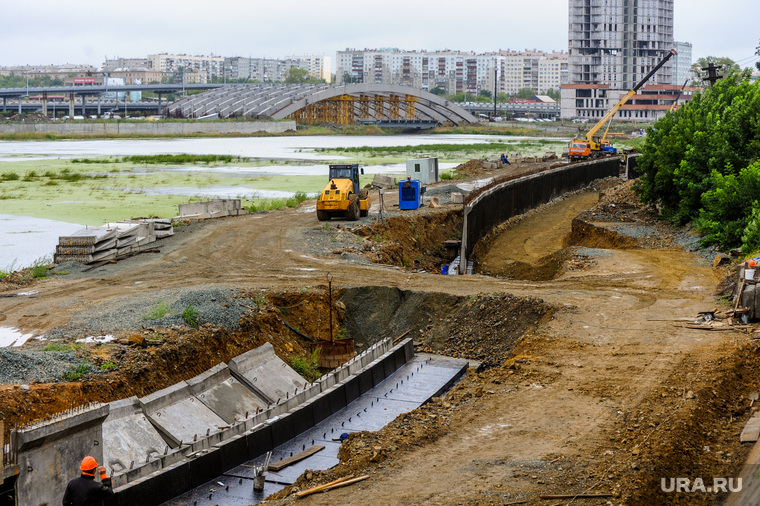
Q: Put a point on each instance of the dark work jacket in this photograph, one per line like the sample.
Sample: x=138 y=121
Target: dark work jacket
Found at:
x=85 y=491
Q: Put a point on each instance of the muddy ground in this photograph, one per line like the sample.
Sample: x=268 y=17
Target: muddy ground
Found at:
x=585 y=378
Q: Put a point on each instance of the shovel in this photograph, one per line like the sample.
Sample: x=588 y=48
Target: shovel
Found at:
x=752 y=398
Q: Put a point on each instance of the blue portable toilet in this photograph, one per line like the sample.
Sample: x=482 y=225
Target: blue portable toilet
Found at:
x=409 y=194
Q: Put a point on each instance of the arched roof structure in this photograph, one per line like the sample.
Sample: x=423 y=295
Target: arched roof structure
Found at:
x=322 y=103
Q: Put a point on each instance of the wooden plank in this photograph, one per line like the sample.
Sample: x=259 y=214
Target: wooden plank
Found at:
x=576 y=496
x=281 y=464
x=334 y=484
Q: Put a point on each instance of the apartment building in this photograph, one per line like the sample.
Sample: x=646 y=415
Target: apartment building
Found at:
x=535 y=70
x=137 y=75
x=54 y=71
x=126 y=63
x=452 y=71
x=614 y=44
x=319 y=66
x=204 y=68
x=682 y=63
x=455 y=71
x=617 y=42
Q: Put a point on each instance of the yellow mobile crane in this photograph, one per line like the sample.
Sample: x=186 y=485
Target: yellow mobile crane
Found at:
x=680 y=92
x=592 y=146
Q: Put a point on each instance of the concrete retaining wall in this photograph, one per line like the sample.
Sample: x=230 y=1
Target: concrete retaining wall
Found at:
x=49 y=453
x=251 y=438
x=154 y=128
x=495 y=205
x=164 y=444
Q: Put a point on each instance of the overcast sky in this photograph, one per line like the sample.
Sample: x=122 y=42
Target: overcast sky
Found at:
x=88 y=31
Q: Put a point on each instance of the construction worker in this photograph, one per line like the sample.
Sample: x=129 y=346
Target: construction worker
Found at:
x=85 y=491
x=504 y=159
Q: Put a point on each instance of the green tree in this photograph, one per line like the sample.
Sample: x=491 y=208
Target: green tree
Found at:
x=438 y=91
x=725 y=66
x=553 y=94
x=525 y=93
x=485 y=94
x=698 y=161
x=757 y=52
x=296 y=75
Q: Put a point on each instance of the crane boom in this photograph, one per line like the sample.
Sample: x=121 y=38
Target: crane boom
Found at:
x=592 y=146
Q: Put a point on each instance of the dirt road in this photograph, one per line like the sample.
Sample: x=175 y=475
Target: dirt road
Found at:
x=609 y=396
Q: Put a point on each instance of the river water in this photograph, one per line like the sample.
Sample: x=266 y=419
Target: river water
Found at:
x=23 y=240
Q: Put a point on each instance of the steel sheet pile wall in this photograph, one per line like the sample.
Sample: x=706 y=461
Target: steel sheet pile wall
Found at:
x=499 y=203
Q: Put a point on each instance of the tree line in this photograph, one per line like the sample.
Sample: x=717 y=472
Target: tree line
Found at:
x=701 y=163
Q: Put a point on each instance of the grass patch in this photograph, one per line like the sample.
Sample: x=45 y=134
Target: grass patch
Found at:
x=161 y=309
x=78 y=372
x=107 y=366
x=150 y=159
x=40 y=267
x=61 y=347
x=10 y=176
x=190 y=315
x=307 y=367
x=276 y=204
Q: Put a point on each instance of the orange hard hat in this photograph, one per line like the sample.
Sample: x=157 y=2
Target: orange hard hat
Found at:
x=88 y=464
x=751 y=263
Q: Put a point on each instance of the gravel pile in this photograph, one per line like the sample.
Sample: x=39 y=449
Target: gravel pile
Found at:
x=218 y=307
x=20 y=366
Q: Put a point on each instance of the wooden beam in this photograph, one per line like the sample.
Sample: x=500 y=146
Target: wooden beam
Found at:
x=341 y=482
x=295 y=458
x=576 y=496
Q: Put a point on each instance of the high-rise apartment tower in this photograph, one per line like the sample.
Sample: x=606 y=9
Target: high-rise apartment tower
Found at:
x=617 y=42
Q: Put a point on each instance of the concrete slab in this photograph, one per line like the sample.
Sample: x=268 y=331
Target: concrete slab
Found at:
x=225 y=395
x=87 y=236
x=179 y=416
x=265 y=374
x=128 y=436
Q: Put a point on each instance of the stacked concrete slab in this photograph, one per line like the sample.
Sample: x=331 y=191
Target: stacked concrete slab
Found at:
x=87 y=245
x=217 y=208
x=111 y=241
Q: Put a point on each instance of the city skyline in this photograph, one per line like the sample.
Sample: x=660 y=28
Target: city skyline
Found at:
x=264 y=30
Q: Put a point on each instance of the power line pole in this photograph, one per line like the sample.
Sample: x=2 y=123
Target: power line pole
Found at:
x=712 y=74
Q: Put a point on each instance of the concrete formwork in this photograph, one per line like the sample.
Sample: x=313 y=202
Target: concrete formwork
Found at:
x=225 y=395
x=129 y=438
x=179 y=416
x=49 y=453
x=264 y=373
